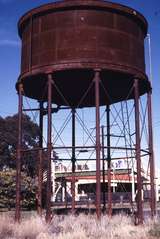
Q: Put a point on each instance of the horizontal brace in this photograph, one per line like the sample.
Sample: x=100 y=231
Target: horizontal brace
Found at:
x=117 y=136
x=92 y=147
x=87 y=147
x=45 y=110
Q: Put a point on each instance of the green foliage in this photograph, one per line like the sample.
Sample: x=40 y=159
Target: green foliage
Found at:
x=8 y=143
x=8 y=190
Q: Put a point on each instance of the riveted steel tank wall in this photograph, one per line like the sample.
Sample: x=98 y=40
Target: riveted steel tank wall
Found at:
x=73 y=37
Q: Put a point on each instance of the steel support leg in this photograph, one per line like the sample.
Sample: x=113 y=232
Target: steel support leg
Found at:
x=138 y=156
x=49 y=150
x=40 y=161
x=151 y=155
x=19 y=154
x=98 y=147
x=73 y=161
x=109 y=162
x=103 y=170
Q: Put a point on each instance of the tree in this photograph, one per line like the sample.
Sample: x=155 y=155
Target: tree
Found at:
x=8 y=143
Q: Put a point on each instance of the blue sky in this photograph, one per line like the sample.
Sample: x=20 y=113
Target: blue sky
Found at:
x=12 y=10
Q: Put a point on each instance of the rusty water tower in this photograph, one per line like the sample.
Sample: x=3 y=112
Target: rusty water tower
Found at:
x=70 y=49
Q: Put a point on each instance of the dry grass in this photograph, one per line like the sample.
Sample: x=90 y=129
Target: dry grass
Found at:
x=78 y=227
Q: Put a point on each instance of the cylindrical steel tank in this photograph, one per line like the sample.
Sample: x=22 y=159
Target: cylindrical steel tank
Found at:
x=72 y=38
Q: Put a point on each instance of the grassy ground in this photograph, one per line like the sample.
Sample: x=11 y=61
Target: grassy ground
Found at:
x=78 y=227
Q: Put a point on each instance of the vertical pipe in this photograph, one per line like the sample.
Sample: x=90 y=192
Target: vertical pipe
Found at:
x=150 y=57
x=103 y=170
x=19 y=154
x=73 y=161
x=40 y=172
x=98 y=146
x=109 y=162
x=138 y=156
x=151 y=155
x=49 y=149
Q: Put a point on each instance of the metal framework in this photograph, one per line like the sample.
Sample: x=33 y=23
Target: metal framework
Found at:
x=82 y=68
x=99 y=146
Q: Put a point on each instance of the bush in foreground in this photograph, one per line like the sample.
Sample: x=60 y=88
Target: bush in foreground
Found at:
x=77 y=227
